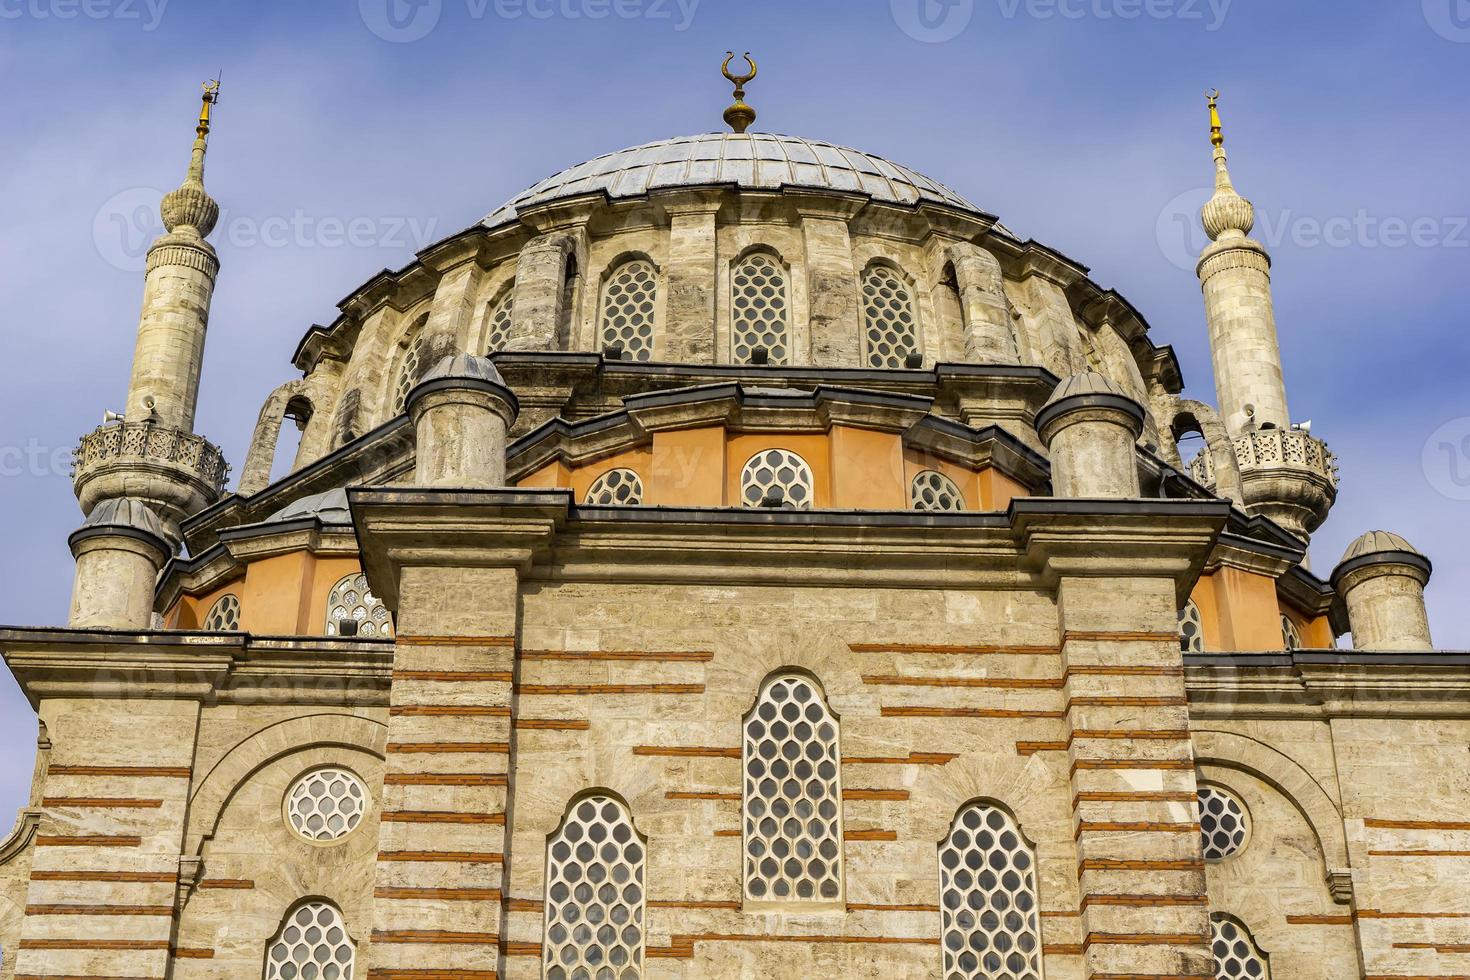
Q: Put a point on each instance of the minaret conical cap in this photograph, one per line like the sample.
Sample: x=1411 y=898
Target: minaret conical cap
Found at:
x=1226 y=214
x=190 y=206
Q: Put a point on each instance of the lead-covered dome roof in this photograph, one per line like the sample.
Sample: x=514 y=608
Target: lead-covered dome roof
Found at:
x=751 y=161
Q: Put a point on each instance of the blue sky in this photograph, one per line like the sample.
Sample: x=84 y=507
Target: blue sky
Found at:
x=353 y=132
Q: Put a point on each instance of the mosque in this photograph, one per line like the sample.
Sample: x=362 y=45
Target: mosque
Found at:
x=735 y=556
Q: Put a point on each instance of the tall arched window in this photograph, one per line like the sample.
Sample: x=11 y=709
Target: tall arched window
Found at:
x=628 y=302
x=759 y=315
x=411 y=367
x=595 y=894
x=988 y=901
x=224 y=615
x=777 y=478
x=1237 y=957
x=312 y=944
x=793 y=796
x=352 y=610
x=1191 y=629
x=498 y=319
x=890 y=327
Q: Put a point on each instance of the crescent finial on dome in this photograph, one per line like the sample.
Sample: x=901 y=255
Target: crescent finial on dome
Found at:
x=739 y=116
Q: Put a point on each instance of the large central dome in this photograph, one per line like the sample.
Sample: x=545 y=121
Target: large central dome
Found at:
x=757 y=161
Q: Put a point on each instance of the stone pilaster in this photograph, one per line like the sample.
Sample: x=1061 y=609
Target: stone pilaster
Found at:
x=1053 y=326
x=689 y=317
x=989 y=335
x=539 y=292
x=452 y=312
x=835 y=318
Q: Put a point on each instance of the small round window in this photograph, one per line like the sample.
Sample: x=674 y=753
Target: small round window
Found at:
x=777 y=478
x=1223 y=825
x=326 y=804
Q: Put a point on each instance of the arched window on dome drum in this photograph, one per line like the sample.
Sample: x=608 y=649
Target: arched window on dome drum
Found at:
x=759 y=312
x=312 y=944
x=352 y=610
x=1237 y=957
x=595 y=894
x=793 y=796
x=410 y=369
x=890 y=326
x=988 y=900
x=616 y=487
x=224 y=615
x=1191 y=629
x=498 y=319
x=778 y=479
x=933 y=491
x=628 y=303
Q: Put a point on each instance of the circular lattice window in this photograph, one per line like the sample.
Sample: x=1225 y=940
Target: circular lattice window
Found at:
x=1235 y=952
x=312 y=945
x=1291 y=637
x=777 y=478
x=326 y=805
x=888 y=318
x=1223 y=825
x=224 y=615
x=354 y=611
x=616 y=487
x=1191 y=629
x=627 y=309
x=758 y=309
x=499 y=320
x=932 y=490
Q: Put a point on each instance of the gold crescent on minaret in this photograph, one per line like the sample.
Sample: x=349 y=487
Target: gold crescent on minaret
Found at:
x=739 y=116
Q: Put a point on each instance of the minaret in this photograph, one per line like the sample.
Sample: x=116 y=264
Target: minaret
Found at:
x=1286 y=474
x=148 y=465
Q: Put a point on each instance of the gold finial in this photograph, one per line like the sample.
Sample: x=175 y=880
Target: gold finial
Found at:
x=739 y=116
x=210 y=97
x=1217 y=130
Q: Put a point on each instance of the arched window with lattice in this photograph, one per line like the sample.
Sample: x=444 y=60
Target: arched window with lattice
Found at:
x=933 y=491
x=411 y=366
x=629 y=299
x=595 y=893
x=352 y=610
x=616 y=487
x=779 y=479
x=312 y=944
x=1291 y=636
x=1191 y=629
x=988 y=902
x=760 y=314
x=1237 y=957
x=498 y=319
x=793 y=797
x=890 y=324
x=224 y=615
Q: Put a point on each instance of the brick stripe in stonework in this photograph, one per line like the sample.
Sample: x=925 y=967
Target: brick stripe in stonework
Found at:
x=987 y=683
x=595 y=690
x=913 y=759
x=442 y=857
x=686 y=752
x=100 y=803
x=436 y=937
x=140 y=772
x=911 y=711
x=678 y=657
x=963 y=650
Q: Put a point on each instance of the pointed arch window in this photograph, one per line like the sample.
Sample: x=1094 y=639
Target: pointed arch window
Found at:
x=628 y=302
x=595 y=894
x=1237 y=957
x=224 y=615
x=352 y=610
x=793 y=796
x=312 y=944
x=988 y=902
x=498 y=320
x=411 y=367
x=890 y=326
x=759 y=311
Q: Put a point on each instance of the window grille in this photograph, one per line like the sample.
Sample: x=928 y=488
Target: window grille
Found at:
x=619 y=486
x=499 y=320
x=224 y=615
x=932 y=490
x=627 y=309
x=1191 y=629
x=1236 y=955
x=777 y=478
x=352 y=610
x=595 y=895
x=312 y=944
x=758 y=309
x=409 y=372
x=326 y=804
x=1223 y=824
x=1291 y=637
x=987 y=882
x=889 y=326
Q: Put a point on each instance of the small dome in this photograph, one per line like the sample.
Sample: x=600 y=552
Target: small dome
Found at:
x=1090 y=383
x=126 y=512
x=329 y=508
x=464 y=366
x=1376 y=542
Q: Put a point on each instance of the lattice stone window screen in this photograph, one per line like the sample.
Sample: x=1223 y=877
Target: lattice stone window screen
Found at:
x=1291 y=637
x=759 y=315
x=352 y=607
x=499 y=320
x=326 y=804
x=409 y=373
x=889 y=326
x=627 y=309
x=224 y=615
x=932 y=490
x=793 y=796
x=987 y=887
x=1237 y=957
x=619 y=486
x=1223 y=824
x=777 y=478
x=1191 y=629
x=312 y=945
x=595 y=895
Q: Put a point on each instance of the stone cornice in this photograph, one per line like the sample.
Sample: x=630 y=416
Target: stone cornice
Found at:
x=199 y=574
x=1325 y=684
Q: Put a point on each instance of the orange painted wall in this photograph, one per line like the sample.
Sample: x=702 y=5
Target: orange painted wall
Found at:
x=638 y=460
x=1239 y=611
x=283 y=595
x=868 y=470
x=552 y=476
x=814 y=449
x=916 y=461
x=689 y=468
x=998 y=490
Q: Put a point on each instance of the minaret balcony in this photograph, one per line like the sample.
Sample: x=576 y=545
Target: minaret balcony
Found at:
x=1285 y=474
x=177 y=472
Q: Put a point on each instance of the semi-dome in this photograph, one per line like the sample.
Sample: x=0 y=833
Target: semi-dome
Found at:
x=751 y=161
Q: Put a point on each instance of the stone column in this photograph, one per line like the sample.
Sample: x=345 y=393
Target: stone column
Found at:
x=119 y=552
x=835 y=317
x=452 y=312
x=1090 y=427
x=989 y=336
x=540 y=278
x=1381 y=580
x=689 y=313
x=462 y=411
